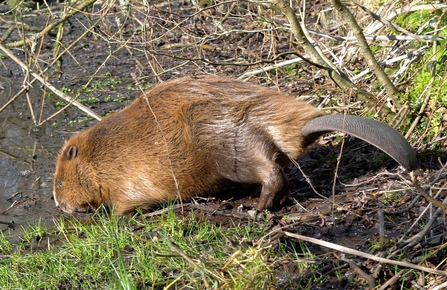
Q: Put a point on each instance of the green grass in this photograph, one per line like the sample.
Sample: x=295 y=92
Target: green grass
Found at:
x=108 y=252
x=168 y=251
x=428 y=76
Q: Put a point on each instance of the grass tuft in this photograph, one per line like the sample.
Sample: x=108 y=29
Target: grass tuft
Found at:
x=109 y=252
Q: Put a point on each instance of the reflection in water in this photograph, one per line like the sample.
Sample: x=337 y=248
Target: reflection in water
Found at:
x=27 y=160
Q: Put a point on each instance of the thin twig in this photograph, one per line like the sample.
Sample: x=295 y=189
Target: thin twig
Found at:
x=360 y=272
x=48 y=28
x=367 y=53
x=422 y=192
x=336 y=75
x=48 y=85
x=179 y=251
x=364 y=255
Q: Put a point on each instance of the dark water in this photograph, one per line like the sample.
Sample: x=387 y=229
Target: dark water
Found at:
x=27 y=162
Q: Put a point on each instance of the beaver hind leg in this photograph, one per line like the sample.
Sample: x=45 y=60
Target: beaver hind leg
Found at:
x=275 y=189
x=252 y=158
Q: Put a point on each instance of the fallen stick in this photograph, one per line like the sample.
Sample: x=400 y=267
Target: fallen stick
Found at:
x=365 y=255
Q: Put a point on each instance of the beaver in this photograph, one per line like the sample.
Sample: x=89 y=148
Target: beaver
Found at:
x=193 y=136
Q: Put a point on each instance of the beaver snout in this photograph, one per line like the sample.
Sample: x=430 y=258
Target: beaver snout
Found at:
x=65 y=207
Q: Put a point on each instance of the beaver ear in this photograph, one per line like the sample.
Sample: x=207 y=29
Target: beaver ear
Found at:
x=70 y=152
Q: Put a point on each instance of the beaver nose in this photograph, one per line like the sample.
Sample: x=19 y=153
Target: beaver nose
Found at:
x=65 y=207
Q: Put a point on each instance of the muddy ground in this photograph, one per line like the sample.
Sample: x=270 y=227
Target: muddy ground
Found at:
x=114 y=56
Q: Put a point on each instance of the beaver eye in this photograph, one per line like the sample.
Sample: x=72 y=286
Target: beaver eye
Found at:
x=59 y=183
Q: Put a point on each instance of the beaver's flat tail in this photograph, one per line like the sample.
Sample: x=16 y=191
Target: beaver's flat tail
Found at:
x=376 y=133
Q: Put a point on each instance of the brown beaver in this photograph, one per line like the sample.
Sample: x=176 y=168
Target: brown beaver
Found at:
x=190 y=136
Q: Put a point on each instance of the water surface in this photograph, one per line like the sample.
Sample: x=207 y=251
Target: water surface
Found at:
x=27 y=161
